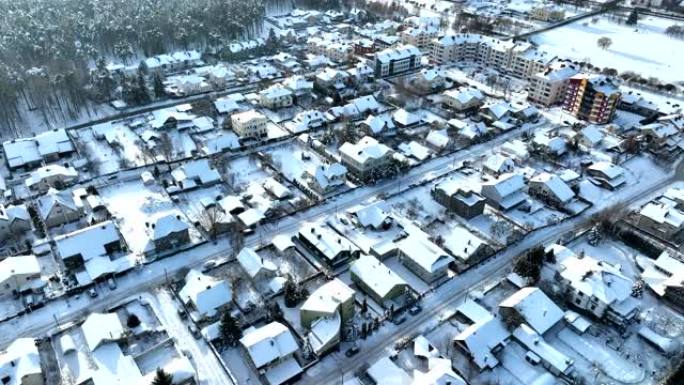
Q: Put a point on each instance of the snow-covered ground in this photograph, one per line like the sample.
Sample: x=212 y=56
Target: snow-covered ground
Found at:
x=644 y=49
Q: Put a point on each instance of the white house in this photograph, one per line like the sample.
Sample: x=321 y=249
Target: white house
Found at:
x=20 y=363
x=249 y=124
x=205 y=293
x=427 y=260
x=276 y=97
x=255 y=266
x=271 y=349
x=505 y=192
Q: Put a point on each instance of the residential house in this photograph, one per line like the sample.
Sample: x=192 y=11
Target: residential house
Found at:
x=428 y=80
x=29 y=153
x=256 y=267
x=14 y=220
x=463 y=99
x=375 y=216
x=331 y=81
x=92 y=250
x=459 y=199
x=328 y=246
x=378 y=124
x=20 y=274
x=597 y=287
x=551 y=189
x=20 y=363
x=549 y=143
x=167 y=232
x=607 y=174
x=324 y=314
x=665 y=277
x=497 y=164
x=494 y=112
x=59 y=207
x=483 y=338
x=298 y=85
x=276 y=97
x=367 y=158
x=403 y=118
x=378 y=281
x=306 y=120
x=505 y=192
x=663 y=218
x=57 y=176
x=195 y=174
x=327 y=178
x=533 y=307
x=553 y=360
x=249 y=124
x=205 y=294
x=424 y=258
x=385 y=372
x=466 y=247
x=271 y=349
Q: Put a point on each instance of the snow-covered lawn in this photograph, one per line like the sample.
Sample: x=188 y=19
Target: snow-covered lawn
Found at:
x=293 y=160
x=644 y=49
x=135 y=206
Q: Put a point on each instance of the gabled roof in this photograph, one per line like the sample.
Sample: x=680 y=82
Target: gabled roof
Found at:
x=168 y=224
x=20 y=359
x=253 y=264
x=205 y=292
x=99 y=328
x=376 y=275
x=424 y=253
x=268 y=343
x=328 y=297
x=535 y=307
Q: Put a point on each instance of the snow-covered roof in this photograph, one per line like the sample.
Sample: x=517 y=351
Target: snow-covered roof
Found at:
x=19 y=360
x=424 y=253
x=326 y=240
x=536 y=344
x=298 y=83
x=51 y=171
x=498 y=163
x=406 y=118
x=63 y=199
x=253 y=264
x=328 y=297
x=276 y=188
x=166 y=225
x=88 y=242
x=465 y=95
x=555 y=185
x=535 y=307
x=225 y=105
x=330 y=175
x=592 y=134
x=19 y=152
x=597 y=279
x=372 y=215
x=608 y=169
x=275 y=92
x=99 y=328
x=663 y=211
x=376 y=275
x=367 y=148
x=379 y=123
x=439 y=372
x=438 y=138
x=508 y=189
x=385 y=372
x=415 y=150
x=462 y=243
x=268 y=343
x=324 y=332
x=247 y=116
x=483 y=335
x=664 y=272
x=206 y=293
x=397 y=53
x=282 y=242
x=194 y=171
x=161 y=117
x=22 y=266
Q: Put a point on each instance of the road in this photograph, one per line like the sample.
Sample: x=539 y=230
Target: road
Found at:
x=451 y=294
x=70 y=309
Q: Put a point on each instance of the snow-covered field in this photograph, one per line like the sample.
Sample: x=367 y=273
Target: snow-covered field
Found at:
x=644 y=49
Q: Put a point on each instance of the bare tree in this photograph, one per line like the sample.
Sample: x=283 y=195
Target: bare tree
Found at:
x=604 y=42
x=212 y=219
x=164 y=146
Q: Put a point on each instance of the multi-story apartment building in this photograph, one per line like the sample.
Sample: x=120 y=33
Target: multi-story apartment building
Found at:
x=393 y=61
x=548 y=87
x=518 y=59
x=420 y=36
x=593 y=98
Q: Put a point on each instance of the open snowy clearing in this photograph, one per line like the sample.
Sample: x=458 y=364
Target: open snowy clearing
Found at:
x=644 y=49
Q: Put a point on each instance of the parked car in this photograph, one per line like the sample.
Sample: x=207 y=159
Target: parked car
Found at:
x=415 y=310
x=399 y=320
x=352 y=351
x=111 y=283
x=92 y=293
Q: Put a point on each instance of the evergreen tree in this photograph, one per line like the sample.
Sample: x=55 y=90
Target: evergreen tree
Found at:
x=158 y=86
x=633 y=17
x=291 y=293
x=529 y=265
x=229 y=330
x=142 y=94
x=162 y=378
